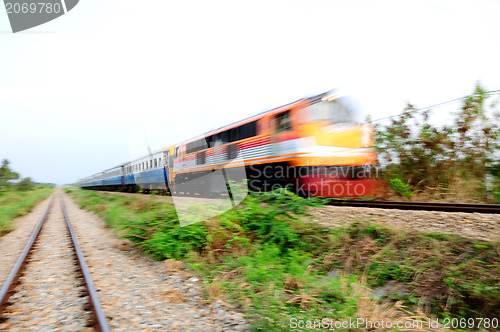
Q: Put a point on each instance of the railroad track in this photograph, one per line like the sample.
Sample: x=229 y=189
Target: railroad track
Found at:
x=427 y=206
x=46 y=244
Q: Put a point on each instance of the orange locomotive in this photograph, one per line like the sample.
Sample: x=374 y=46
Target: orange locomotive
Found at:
x=313 y=146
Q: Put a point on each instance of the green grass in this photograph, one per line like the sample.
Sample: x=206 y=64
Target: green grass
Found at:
x=268 y=260
x=14 y=204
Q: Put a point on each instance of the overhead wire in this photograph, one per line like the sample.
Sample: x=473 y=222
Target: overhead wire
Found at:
x=490 y=92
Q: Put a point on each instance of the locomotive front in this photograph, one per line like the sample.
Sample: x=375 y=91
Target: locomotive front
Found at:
x=337 y=152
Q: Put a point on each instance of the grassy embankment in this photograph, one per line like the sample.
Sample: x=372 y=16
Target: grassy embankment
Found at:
x=274 y=264
x=15 y=203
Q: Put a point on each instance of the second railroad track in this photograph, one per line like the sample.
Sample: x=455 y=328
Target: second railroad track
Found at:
x=426 y=206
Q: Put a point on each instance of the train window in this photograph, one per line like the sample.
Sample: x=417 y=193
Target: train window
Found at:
x=197 y=145
x=224 y=137
x=244 y=131
x=248 y=130
x=215 y=138
x=171 y=161
x=336 y=111
x=283 y=121
x=234 y=134
x=200 y=158
x=142 y=167
x=232 y=151
x=151 y=163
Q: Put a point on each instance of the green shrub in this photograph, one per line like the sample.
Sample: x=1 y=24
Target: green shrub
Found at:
x=14 y=204
x=400 y=187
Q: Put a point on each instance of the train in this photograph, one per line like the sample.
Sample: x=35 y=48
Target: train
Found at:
x=314 y=146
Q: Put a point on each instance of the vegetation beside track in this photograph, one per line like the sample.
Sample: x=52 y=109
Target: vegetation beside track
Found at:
x=456 y=162
x=267 y=259
x=15 y=203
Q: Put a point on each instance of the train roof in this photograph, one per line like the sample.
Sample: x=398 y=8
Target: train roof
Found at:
x=214 y=131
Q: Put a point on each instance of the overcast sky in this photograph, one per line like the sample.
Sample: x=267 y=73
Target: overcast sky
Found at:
x=76 y=91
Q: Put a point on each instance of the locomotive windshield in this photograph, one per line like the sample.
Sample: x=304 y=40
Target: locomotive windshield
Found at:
x=337 y=111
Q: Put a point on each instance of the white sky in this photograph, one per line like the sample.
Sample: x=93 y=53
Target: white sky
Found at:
x=74 y=90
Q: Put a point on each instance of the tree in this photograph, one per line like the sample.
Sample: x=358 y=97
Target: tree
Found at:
x=477 y=132
x=415 y=151
x=6 y=175
x=421 y=154
x=25 y=184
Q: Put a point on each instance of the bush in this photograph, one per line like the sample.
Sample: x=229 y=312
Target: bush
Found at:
x=422 y=155
x=400 y=188
x=25 y=184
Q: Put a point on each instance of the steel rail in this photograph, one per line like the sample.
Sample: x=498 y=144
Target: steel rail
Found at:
x=9 y=284
x=426 y=206
x=98 y=313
